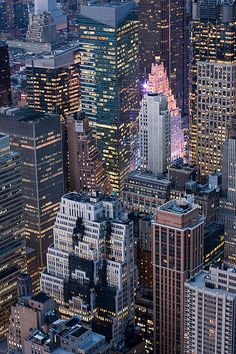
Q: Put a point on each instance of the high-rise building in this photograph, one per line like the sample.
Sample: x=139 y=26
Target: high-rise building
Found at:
x=53 y=81
x=86 y=168
x=228 y=200
x=155 y=133
x=90 y=268
x=37 y=137
x=210 y=301
x=108 y=40
x=50 y=7
x=177 y=254
x=213 y=88
x=12 y=243
x=163 y=35
x=41 y=29
x=5 y=83
x=158 y=83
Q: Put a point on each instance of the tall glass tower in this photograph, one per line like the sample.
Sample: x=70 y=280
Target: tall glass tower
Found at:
x=108 y=35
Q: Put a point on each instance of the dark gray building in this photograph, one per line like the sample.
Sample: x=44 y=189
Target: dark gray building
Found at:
x=37 y=136
x=12 y=244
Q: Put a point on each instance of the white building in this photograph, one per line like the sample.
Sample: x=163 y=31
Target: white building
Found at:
x=154 y=133
x=90 y=267
x=210 y=312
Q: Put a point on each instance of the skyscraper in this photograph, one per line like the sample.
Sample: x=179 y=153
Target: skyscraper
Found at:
x=154 y=133
x=177 y=241
x=158 y=83
x=213 y=88
x=12 y=243
x=86 y=168
x=163 y=34
x=41 y=29
x=51 y=7
x=37 y=137
x=210 y=317
x=228 y=200
x=53 y=81
x=90 y=268
x=108 y=37
x=5 y=84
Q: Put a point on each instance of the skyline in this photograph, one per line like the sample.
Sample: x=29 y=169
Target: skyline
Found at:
x=118 y=176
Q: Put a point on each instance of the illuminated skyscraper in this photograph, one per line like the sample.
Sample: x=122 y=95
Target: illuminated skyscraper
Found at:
x=213 y=87
x=53 y=81
x=158 y=83
x=163 y=34
x=37 y=136
x=90 y=268
x=228 y=200
x=177 y=241
x=5 y=83
x=108 y=37
x=86 y=168
x=12 y=243
x=154 y=133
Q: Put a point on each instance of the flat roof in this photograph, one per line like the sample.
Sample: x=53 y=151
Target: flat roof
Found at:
x=148 y=177
x=26 y=115
x=41 y=297
x=178 y=206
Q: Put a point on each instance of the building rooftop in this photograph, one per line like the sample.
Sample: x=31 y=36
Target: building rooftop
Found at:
x=27 y=115
x=178 y=206
x=148 y=177
x=111 y=14
x=202 y=281
x=41 y=297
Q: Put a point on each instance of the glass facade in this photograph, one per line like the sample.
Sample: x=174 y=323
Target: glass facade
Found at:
x=37 y=136
x=110 y=88
x=12 y=244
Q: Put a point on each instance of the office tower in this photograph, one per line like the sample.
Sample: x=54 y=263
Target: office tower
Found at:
x=50 y=7
x=154 y=133
x=5 y=83
x=158 y=83
x=86 y=168
x=53 y=81
x=228 y=200
x=12 y=243
x=41 y=29
x=213 y=72
x=108 y=39
x=90 y=268
x=21 y=15
x=163 y=34
x=145 y=192
x=210 y=318
x=37 y=137
x=177 y=234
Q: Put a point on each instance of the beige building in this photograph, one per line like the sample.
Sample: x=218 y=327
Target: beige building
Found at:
x=31 y=311
x=210 y=302
x=177 y=254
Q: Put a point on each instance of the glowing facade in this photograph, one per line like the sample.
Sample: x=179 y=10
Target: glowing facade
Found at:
x=213 y=82
x=109 y=77
x=158 y=83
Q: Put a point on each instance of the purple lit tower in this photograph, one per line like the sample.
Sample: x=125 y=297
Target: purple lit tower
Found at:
x=158 y=83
